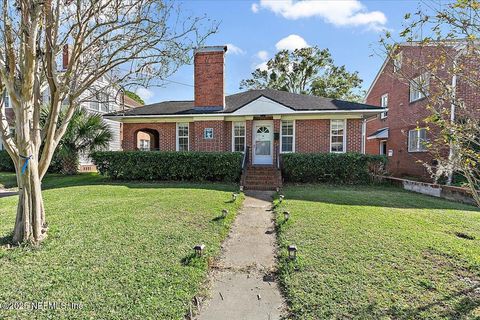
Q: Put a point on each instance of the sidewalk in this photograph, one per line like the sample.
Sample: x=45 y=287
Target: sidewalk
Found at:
x=243 y=287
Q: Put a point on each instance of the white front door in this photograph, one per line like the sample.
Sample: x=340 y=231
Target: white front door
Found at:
x=262 y=142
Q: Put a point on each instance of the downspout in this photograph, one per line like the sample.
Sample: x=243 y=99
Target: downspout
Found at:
x=364 y=130
x=452 y=117
x=452 y=120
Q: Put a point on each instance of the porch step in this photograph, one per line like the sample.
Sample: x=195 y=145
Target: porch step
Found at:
x=261 y=178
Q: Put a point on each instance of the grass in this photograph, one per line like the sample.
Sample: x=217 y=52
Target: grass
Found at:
x=121 y=250
x=378 y=253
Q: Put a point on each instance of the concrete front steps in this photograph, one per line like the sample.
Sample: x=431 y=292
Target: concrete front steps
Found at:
x=261 y=178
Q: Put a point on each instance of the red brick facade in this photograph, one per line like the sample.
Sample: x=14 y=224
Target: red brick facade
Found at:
x=404 y=115
x=310 y=135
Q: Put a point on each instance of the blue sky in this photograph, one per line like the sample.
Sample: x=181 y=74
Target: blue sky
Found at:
x=350 y=29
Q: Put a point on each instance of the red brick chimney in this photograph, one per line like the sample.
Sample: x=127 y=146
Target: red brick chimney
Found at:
x=209 y=76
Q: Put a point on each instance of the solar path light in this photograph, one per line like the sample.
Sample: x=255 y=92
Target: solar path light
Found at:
x=292 y=252
x=199 y=249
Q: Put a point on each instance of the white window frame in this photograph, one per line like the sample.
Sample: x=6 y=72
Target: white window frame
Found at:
x=281 y=136
x=178 y=137
x=144 y=145
x=384 y=104
x=104 y=102
x=7 y=101
x=244 y=135
x=344 y=135
x=397 y=62
x=417 y=85
x=420 y=147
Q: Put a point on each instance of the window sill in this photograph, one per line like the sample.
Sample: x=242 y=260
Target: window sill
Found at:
x=418 y=100
x=417 y=151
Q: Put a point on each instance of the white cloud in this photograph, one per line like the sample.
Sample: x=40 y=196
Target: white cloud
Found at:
x=338 y=13
x=233 y=49
x=291 y=42
x=144 y=93
x=262 y=55
x=262 y=66
x=255 y=7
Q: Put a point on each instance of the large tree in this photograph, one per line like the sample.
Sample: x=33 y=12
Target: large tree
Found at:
x=135 y=42
x=448 y=36
x=308 y=71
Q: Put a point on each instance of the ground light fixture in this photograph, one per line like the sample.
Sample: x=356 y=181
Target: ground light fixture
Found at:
x=234 y=196
x=292 y=251
x=281 y=197
x=224 y=213
x=286 y=215
x=199 y=249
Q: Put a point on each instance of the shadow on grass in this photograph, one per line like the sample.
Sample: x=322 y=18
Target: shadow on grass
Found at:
x=467 y=301
x=56 y=181
x=370 y=195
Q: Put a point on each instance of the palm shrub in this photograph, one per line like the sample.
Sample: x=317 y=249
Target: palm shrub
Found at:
x=86 y=133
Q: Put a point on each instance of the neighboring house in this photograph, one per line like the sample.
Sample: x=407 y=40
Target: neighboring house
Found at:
x=266 y=122
x=102 y=97
x=401 y=132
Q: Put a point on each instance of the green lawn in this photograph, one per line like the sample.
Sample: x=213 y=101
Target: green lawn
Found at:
x=121 y=250
x=378 y=253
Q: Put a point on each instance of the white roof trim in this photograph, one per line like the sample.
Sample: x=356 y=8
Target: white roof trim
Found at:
x=262 y=105
x=367 y=111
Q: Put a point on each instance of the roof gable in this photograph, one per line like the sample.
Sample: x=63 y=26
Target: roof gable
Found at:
x=262 y=105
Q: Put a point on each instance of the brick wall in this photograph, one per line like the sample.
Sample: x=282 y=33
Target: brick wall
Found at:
x=166 y=134
x=403 y=115
x=310 y=135
x=209 y=78
x=219 y=141
x=314 y=135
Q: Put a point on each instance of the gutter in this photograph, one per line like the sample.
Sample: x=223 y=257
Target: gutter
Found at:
x=113 y=117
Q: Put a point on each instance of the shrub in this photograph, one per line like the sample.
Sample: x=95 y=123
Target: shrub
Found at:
x=348 y=168
x=189 y=166
x=6 y=163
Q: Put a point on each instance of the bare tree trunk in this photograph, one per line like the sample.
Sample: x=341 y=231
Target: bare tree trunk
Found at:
x=30 y=221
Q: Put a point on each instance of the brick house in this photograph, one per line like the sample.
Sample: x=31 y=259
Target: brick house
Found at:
x=401 y=133
x=265 y=123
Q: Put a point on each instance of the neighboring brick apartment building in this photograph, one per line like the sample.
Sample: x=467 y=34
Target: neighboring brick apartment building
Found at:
x=401 y=133
x=268 y=122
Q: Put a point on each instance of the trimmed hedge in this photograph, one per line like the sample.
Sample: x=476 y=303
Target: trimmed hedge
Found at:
x=168 y=166
x=6 y=163
x=347 y=168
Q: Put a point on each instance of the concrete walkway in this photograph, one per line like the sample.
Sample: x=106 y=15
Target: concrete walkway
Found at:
x=243 y=286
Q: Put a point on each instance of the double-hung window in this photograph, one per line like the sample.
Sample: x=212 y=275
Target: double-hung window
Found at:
x=384 y=104
x=337 y=135
x=104 y=102
x=6 y=100
x=417 y=140
x=287 y=136
x=238 y=137
x=419 y=87
x=182 y=136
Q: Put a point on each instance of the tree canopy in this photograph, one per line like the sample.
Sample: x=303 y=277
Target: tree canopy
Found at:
x=308 y=70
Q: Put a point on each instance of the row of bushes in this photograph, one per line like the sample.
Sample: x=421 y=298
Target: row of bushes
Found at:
x=347 y=168
x=6 y=163
x=191 y=166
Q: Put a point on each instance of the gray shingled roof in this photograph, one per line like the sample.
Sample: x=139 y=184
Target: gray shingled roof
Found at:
x=297 y=102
